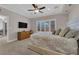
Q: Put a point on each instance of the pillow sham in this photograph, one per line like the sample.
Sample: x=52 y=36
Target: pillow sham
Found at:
x=71 y=34
x=77 y=36
x=57 y=32
x=64 y=32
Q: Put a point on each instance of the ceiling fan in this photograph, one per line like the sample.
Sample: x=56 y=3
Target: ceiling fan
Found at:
x=36 y=9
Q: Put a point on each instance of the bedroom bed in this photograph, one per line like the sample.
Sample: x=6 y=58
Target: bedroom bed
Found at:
x=46 y=43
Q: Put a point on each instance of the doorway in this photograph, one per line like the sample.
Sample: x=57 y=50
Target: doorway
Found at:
x=3 y=29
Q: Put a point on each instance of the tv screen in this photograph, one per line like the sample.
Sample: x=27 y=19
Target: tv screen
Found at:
x=22 y=25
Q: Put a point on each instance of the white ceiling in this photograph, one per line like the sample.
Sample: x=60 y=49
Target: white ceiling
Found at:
x=22 y=9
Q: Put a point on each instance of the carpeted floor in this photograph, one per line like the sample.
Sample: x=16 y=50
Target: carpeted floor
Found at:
x=16 y=48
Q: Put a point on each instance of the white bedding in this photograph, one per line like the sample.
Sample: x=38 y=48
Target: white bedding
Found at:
x=54 y=42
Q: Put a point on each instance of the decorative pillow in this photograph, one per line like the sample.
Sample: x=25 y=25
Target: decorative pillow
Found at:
x=64 y=32
x=77 y=36
x=71 y=34
x=57 y=32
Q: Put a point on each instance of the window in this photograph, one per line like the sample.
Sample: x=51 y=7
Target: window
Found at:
x=45 y=25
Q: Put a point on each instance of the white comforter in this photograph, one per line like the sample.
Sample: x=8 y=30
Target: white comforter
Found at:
x=54 y=42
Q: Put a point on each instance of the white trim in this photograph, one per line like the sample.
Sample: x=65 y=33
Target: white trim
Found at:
x=7 y=17
x=11 y=40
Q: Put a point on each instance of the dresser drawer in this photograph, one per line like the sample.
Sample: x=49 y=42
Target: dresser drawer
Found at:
x=23 y=35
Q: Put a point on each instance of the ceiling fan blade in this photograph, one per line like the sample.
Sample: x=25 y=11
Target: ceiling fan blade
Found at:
x=30 y=10
x=40 y=11
x=34 y=5
x=42 y=8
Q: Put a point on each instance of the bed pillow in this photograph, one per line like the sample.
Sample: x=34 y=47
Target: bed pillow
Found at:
x=77 y=36
x=57 y=32
x=64 y=32
x=71 y=34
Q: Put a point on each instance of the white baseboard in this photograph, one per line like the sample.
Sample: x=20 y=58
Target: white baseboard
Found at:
x=11 y=40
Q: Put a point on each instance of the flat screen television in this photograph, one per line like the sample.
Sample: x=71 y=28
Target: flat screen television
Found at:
x=22 y=25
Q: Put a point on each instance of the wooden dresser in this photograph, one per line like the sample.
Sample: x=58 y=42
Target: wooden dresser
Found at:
x=23 y=35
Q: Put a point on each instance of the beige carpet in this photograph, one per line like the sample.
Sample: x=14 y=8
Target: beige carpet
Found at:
x=3 y=40
x=16 y=48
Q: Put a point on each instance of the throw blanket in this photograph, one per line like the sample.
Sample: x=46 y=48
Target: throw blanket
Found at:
x=54 y=42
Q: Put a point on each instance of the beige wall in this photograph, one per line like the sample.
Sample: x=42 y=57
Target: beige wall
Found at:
x=61 y=21
x=74 y=12
x=13 y=20
x=74 y=17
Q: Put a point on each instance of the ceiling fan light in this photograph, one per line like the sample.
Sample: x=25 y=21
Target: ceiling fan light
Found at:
x=48 y=8
x=36 y=10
